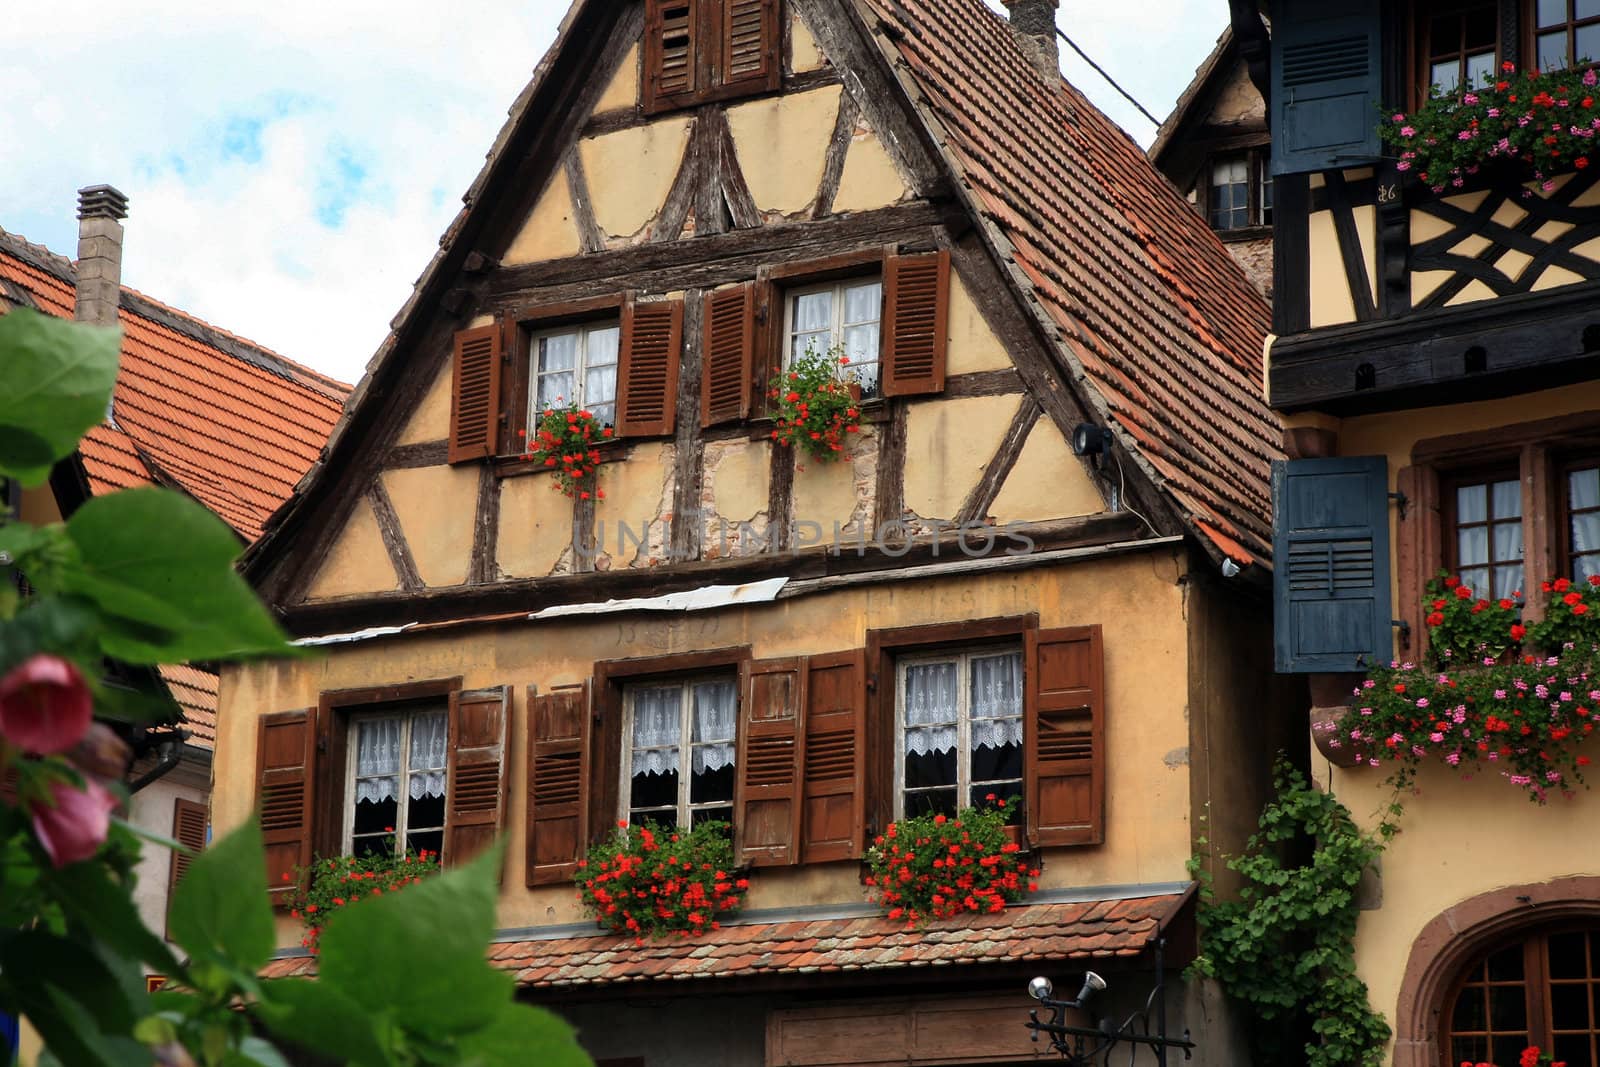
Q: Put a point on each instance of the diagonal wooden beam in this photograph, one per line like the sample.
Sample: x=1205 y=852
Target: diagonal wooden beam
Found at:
x=394 y=539
x=590 y=236
x=844 y=129
x=681 y=197
x=735 y=191
x=976 y=507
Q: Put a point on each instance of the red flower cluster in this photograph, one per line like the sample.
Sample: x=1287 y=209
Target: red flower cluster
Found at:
x=564 y=442
x=647 y=881
x=333 y=884
x=935 y=867
x=814 y=406
x=1532 y=1056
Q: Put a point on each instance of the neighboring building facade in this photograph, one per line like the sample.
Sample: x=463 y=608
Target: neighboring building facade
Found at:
x=674 y=204
x=1216 y=148
x=1434 y=351
x=196 y=409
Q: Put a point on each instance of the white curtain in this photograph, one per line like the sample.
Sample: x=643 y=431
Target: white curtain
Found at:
x=429 y=754
x=656 y=729
x=377 y=760
x=996 y=701
x=932 y=704
x=716 y=709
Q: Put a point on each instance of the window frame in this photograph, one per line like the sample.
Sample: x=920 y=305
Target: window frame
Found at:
x=580 y=365
x=1488 y=477
x=1258 y=179
x=1423 y=55
x=1537 y=1001
x=405 y=711
x=520 y=390
x=685 y=805
x=836 y=286
x=1529 y=19
x=963 y=656
x=1565 y=555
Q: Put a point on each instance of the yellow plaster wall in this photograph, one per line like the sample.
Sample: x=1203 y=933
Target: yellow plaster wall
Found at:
x=437 y=508
x=1331 y=302
x=630 y=172
x=535 y=527
x=638 y=492
x=431 y=420
x=782 y=142
x=843 y=492
x=623 y=90
x=948 y=444
x=733 y=489
x=1047 y=482
x=358 y=562
x=973 y=346
x=804 y=52
x=869 y=179
x=1138 y=600
x=549 y=232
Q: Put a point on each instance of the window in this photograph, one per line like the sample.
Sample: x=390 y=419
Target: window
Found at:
x=575 y=365
x=847 y=314
x=1544 y=991
x=1581 y=524
x=959 y=731
x=1458 y=45
x=1483 y=538
x=1239 y=191
x=663 y=720
x=397 y=780
x=701 y=50
x=1565 y=32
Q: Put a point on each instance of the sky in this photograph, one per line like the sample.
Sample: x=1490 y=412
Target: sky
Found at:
x=290 y=165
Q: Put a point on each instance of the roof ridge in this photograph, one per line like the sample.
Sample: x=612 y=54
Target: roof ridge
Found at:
x=37 y=255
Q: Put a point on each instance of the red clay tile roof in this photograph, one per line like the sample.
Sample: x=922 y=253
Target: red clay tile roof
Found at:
x=1152 y=309
x=1102 y=929
x=232 y=424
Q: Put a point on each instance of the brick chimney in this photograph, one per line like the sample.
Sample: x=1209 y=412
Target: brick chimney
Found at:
x=100 y=211
x=1034 y=23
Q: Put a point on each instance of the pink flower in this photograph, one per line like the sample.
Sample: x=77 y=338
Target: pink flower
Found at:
x=1408 y=131
x=75 y=826
x=44 y=705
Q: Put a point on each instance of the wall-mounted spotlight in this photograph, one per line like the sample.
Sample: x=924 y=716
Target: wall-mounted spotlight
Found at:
x=1092 y=1046
x=1091 y=440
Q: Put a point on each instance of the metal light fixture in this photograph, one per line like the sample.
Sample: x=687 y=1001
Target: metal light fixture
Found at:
x=1090 y=440
x=1082 y=1046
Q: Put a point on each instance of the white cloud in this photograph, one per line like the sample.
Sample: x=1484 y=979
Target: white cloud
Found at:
x=291 y=165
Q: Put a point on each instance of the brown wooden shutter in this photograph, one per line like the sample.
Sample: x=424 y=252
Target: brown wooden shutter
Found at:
x=475 y=394
x=916 y=308
x=766 y=801
x=647 y=377
x=286 y=755
x=833 y=823
x=558 y=783
x=672 y=72
x=189 y=830
x=749 y=44
x=1064 y=737
x=729 y=350
x=480 y=727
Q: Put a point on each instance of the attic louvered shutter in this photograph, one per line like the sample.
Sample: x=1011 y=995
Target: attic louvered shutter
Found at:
x=475 y=394
x=647 y=387
x=729 y=351
x=1327 y=83
x=749 y=41
x=558 y=783
x=833 y=818
x=766 y=800
x=189 y=830
x=286 y=754
x=1330 y=549
x=1064 y=746
x=480 y=722
x=671 y=57
x=916 y=307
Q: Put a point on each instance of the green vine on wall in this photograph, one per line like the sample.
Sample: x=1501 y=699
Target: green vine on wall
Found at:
x=1285 y=948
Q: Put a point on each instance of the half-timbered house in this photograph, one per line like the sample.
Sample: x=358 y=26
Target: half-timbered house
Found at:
x=687 y=193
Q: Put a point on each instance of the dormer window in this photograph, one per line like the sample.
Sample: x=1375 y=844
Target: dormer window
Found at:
x=701 y=50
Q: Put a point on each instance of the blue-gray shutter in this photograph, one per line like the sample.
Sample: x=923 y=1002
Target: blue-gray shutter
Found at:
x=1327 y=81
x=1330 y=549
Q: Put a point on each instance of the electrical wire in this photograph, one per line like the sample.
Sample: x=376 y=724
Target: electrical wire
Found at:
x=1122 y=495
x=1113 y=83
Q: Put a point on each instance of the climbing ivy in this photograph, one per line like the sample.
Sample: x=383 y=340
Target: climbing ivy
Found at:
x=1285 y=948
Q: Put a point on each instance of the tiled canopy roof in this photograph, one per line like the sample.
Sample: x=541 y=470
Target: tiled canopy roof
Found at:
x=1103 y=929
x=1160 y=320
x=232 y=424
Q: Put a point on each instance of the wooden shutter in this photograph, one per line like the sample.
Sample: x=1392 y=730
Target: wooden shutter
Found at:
x=672 y=72
x=1330 y=548
x=1064 y=745
x=480 y=726
x=558 y=783
x=475 y=394
x=729 y=352
x=1326 y=84
x=647 y=385
x=766 y=801
x=189 y=830
x=749 y=44
x=286 y=754
x=916 y=309
x=833 y=818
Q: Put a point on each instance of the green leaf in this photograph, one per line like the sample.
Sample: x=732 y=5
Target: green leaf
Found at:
x=254 y=1051
x=319 y=1016
x=219 y=912
x=104 y=907
x=59 y=376
x=70 y=996
x=522 y=1034
x=418 y=954
x=160 y=567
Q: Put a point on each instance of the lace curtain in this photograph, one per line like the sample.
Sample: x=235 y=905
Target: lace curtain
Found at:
x=378 y=757
x=716 y=707
x=932 y=703
x=429 y=754
x=657 y=727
